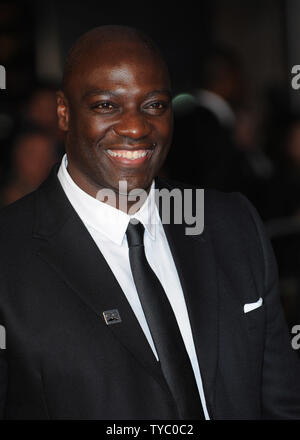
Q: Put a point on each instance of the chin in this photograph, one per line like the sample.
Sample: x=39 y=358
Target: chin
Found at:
x=133 y=183
x=138 y=185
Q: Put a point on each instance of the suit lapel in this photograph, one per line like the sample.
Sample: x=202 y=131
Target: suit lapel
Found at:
x=196 y=266
x=70 y=250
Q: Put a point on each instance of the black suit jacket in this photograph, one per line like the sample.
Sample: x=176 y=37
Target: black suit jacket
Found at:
x=63 y=362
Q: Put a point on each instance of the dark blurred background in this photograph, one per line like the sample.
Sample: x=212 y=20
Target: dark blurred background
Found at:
x=237 y=117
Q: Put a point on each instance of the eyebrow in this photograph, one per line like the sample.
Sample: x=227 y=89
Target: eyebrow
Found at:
x=96 y=92
x=159 y=92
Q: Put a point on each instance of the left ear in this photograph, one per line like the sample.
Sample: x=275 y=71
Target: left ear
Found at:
x=62 y=110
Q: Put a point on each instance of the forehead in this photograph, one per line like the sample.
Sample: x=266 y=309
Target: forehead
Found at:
x=123 y=66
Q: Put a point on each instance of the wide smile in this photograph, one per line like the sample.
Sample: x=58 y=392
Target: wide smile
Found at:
x=130 y=157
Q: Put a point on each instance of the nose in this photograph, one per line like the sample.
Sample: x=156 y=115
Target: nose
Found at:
x=133 y=125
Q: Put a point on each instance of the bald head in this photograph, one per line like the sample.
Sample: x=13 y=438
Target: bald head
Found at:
x=105 y=42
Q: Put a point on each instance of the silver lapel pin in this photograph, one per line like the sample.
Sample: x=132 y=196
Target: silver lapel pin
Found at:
x=112 y=317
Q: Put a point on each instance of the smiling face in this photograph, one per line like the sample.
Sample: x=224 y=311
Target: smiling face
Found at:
x=118 y=117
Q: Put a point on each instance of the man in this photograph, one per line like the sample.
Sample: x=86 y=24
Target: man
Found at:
x=83 y=340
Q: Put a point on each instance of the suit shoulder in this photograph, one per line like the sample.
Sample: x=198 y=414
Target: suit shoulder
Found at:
x=229 y=202
x=18 y=215
x=223 y=211
x=215 y=200
x=231 y=210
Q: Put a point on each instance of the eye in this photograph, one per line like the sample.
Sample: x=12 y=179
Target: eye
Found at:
x=157 y=107
x=104 y=107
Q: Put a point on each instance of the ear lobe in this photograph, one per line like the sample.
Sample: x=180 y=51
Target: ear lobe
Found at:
x=62 y=111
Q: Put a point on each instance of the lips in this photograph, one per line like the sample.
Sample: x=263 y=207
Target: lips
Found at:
x=132 y=157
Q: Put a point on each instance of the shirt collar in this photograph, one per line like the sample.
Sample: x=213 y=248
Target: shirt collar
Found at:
x=109 y=221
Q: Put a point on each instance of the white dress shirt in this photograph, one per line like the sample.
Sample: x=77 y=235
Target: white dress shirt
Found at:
x=107 y=226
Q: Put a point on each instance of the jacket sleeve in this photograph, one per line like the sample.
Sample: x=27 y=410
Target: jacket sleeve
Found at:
x=281 y=365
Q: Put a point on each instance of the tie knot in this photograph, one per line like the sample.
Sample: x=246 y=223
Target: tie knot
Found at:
x=135 y=234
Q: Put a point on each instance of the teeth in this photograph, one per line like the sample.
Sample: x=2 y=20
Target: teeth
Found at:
x=132 y=155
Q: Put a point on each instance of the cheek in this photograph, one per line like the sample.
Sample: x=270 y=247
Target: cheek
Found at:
x=88 y=127
x=164 y=128
x=165 y=132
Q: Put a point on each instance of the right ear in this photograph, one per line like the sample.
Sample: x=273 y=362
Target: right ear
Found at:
x=62 y=110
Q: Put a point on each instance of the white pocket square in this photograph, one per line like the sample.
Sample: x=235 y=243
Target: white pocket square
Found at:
x=252 y=306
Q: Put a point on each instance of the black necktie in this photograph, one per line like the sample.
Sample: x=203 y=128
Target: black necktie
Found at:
x=173 y=357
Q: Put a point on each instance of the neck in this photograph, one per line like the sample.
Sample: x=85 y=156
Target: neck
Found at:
x=129 y=202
